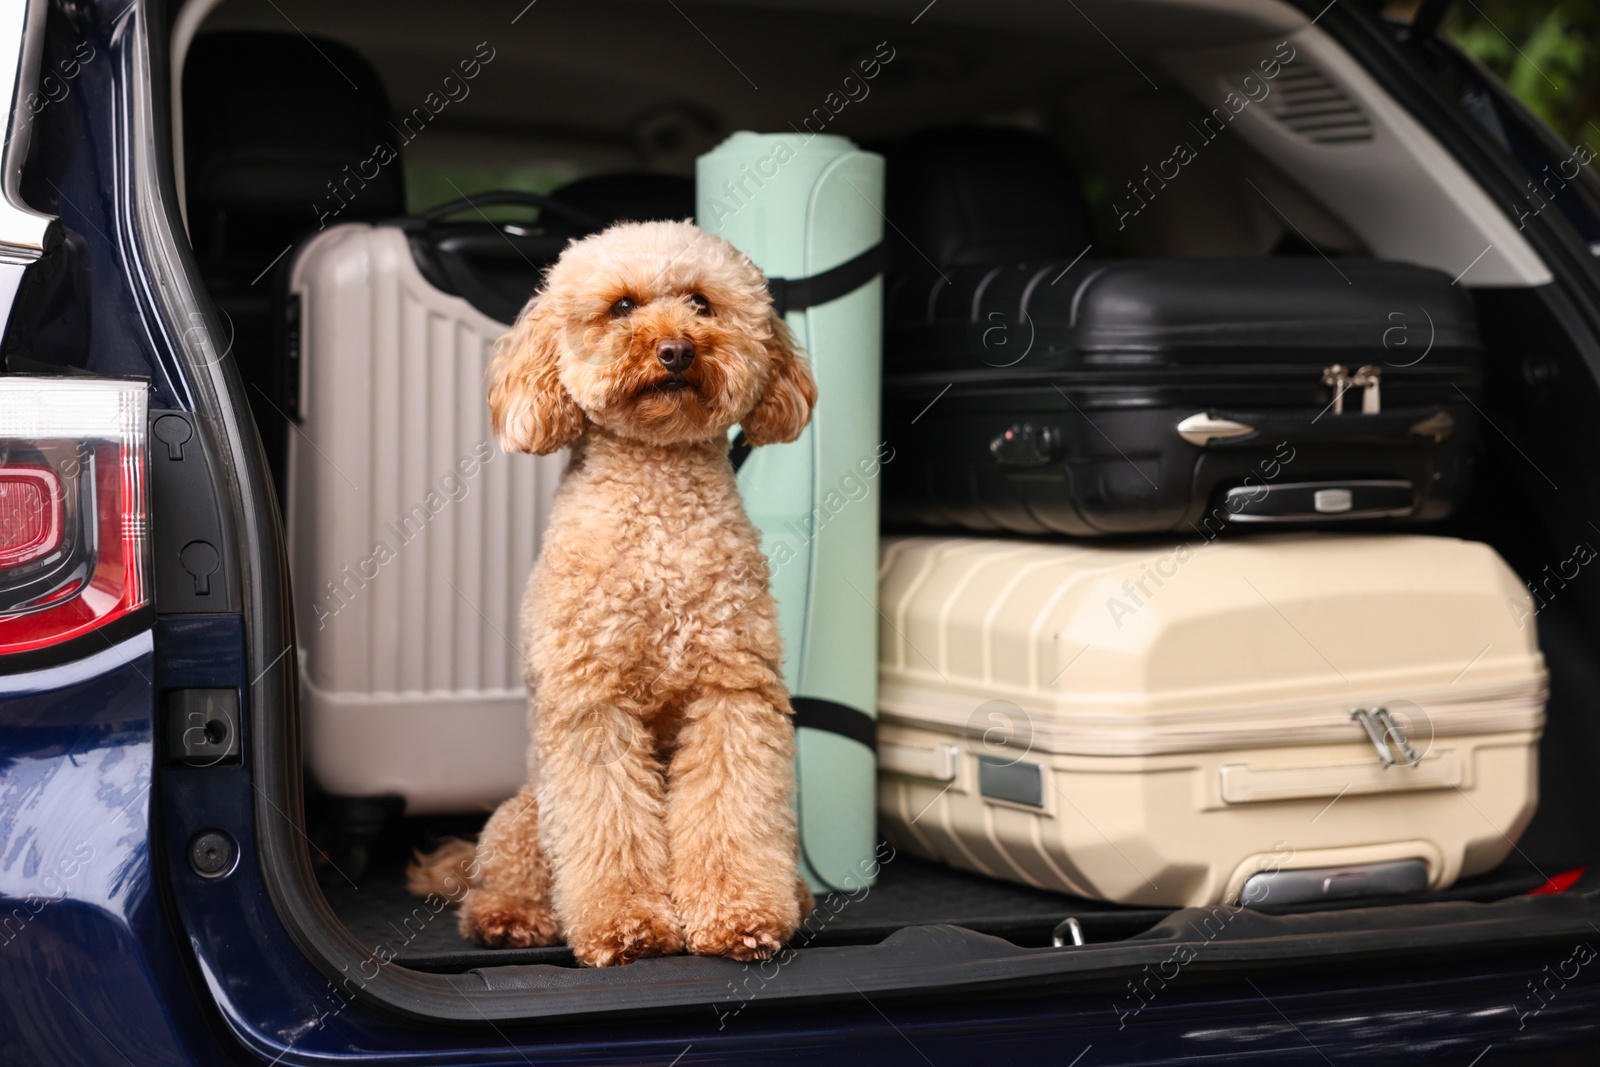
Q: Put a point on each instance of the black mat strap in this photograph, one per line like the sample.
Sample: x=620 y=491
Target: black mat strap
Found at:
x=814 y=713
x=739 y=451
x=797 y=294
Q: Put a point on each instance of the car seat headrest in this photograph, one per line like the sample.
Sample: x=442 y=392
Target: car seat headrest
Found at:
x=967 y=195
x=282 y=135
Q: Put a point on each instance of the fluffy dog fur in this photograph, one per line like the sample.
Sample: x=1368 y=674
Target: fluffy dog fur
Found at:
x=657 y=815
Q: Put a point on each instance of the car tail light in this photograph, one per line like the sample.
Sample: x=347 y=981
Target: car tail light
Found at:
x=74 y=514
x=30 y=514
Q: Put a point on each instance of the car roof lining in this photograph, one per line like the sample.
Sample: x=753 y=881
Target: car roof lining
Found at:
x=1400 y=194
x=957 y=63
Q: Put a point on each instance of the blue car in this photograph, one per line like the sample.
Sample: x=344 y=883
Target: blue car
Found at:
x=177 y=888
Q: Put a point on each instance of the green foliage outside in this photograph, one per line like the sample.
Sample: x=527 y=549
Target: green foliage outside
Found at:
x=1547 y=52
x=433 y=182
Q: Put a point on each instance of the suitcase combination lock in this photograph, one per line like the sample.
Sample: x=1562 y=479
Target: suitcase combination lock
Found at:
x=1367 y=378
x=1026 y=445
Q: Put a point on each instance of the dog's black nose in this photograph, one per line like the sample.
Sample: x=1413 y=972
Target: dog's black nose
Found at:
x=676 y=354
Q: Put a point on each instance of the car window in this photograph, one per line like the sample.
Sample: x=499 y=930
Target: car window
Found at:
x=435 y=178
x=1544 y=106
x=1546 y=52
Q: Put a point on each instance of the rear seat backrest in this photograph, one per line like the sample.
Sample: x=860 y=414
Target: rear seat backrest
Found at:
x=280 y=132
x=281 y=138
x=634 y=196
x=972 y=195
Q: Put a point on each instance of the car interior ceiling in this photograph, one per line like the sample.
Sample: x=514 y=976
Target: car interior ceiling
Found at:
x=608 y=91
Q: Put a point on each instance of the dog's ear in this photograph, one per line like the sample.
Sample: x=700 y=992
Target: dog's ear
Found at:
x=530 y=408
x=785 y=406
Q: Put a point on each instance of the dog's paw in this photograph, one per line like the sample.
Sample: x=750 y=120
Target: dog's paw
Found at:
x=745 y=933
x=631 y=936
x=501 y=921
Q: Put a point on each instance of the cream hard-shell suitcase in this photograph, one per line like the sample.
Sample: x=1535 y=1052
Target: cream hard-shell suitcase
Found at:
x=1313 y=715
x=411 y=534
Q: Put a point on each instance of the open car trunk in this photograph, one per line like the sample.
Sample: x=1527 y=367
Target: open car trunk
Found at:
x=925 y=927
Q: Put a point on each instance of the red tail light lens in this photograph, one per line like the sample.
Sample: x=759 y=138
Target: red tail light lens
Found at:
x=74 y=546
x=30 y=514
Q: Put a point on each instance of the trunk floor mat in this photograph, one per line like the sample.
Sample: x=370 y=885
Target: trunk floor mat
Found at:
x=385 y=917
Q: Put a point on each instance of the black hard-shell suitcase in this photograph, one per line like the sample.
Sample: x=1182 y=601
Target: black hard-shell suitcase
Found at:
x=1139 y=396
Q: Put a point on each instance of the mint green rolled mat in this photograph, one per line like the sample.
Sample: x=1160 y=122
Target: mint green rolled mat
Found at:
x=809 y=207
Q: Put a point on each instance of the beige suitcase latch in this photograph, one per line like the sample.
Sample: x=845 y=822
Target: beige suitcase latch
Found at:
x=1386 y=736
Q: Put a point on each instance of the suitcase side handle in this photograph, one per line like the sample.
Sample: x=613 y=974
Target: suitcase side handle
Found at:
x=1321 y=501
x=1396 y=426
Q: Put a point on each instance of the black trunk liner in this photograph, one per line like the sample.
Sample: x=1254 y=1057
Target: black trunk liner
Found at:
x=384 y=916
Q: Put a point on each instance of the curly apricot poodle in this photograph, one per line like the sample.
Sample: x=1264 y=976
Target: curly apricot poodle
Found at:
x=658 y=813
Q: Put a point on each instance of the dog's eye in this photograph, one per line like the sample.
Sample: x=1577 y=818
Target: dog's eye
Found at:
x=623 y=308
x=701 y=305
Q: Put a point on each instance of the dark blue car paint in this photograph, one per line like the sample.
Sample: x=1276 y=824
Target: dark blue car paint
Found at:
x=113 y=951
x=85 y=943
x=96 y=974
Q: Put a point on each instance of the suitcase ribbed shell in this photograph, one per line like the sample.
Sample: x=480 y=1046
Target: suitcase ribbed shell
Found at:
x=408 y=570
x=1153 y=724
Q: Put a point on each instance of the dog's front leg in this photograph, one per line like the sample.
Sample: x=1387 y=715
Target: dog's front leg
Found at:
x=732 y=825
x=602 y=800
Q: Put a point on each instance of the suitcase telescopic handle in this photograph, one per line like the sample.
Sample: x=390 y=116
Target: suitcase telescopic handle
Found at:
x=1396 y=426
x=587 y=222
